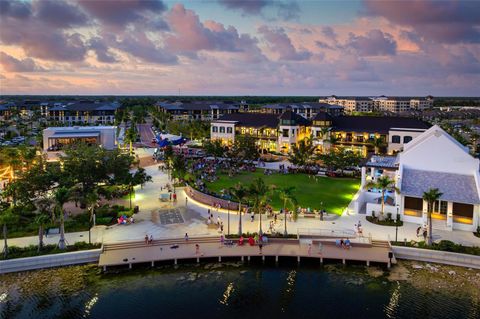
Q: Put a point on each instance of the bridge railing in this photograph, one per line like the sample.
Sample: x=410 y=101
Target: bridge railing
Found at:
x=332 y=233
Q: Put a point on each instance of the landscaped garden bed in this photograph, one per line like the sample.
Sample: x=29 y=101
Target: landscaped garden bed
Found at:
x=443 y=245
x=32 y=250
x=388 y=221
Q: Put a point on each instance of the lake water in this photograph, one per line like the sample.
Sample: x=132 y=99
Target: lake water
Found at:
x=256 y=291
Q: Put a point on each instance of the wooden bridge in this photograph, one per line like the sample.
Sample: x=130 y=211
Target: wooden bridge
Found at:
x=135 y=252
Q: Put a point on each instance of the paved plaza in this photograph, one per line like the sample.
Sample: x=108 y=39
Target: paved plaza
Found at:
x=173 y=220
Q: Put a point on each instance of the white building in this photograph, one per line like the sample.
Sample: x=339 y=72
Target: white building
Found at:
x=54 y=138
x=432 y=160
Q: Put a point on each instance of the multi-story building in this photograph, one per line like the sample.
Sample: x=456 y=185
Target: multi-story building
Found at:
x=83 y=112
x=380 y=103
x=433 y=159
x=6 y=110
x=351 y=104
x=359 y=133
x=306 y=109
x=203 y=111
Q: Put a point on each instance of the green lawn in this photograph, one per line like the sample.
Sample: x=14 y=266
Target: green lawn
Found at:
x=335 y=193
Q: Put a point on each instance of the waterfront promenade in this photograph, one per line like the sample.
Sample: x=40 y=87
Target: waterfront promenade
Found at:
x=195 y=215
x=134 y=252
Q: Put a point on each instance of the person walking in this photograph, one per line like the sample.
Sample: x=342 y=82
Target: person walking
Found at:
x=186 y=201
x=186 y=236
x=260 y=246
x=146 y=239
x=252 y=216
x=197 y=249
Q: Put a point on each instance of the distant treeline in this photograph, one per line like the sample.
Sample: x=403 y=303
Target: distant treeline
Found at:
x=129 y=101
x=456 y=101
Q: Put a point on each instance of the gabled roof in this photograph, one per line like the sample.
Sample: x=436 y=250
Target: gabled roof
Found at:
x=322 y=116
x=455 y=187
x=435 y=129
x=296 y=118
x=251 y=119
x=372 y=124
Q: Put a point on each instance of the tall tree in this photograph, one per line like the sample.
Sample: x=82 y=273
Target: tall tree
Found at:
x=41 y=219
x=7 y=217
x=383 y=183
x=302 y=153
x=431 y=196
x=62 y=195
x=378 y=144
x=240 y=194
x=287 y=195
x=259 y=193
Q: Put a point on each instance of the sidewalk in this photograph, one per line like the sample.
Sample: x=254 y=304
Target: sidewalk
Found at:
x=71 y=238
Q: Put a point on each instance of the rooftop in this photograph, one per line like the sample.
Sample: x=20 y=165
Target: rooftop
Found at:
x=382 y=161
x=372 y=124
x=251 y=119
x=455 y=187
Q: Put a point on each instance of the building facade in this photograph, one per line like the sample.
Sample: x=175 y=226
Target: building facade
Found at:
x=55 y=138
x=83 y=112
x=380 y=103
x=199 y=111
x=279 y=132
x=434 y=159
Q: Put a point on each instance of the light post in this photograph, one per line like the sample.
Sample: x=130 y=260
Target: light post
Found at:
x=396 y=227
x=228 y=217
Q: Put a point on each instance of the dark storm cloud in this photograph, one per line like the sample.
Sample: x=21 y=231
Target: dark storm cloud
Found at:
x=59 y=14
x=439 y=21
x=374 y=43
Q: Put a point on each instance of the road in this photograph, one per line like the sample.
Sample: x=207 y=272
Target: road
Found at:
x=146 y=135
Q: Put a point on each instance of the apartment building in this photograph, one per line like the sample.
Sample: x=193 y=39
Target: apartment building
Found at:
x=199 y=110
x=279 y=132
x=307 y=110
x=351 y=104
x=83 y=112
x=379 y=103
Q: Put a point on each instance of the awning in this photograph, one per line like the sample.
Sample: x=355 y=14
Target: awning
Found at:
x=74 y=134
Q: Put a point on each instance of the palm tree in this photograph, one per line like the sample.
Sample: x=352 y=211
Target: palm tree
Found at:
x=431 y=196
x=383 y=183
x=240 y=193
x=44 y=206
x=7 y=217
x=474 y=140
x=62 y=196
x=259 y=192
x=378 y=143
x=91 y=200
x=131 y=137
x=41 y=220
x=288 y=197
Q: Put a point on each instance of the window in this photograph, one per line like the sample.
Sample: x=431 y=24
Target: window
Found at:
x=413 y=203
x=407 y=139
x=214 y=129
x=293 y=132
x=222 y=129
x=360 y=138
x=229 y=130
x=396 y=139
x=285 y=132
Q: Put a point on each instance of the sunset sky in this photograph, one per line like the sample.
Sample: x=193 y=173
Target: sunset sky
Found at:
x=230 y=47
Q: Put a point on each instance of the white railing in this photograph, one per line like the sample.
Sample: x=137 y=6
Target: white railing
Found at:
x=305 y=232
x=48 y=261
x=436 y=256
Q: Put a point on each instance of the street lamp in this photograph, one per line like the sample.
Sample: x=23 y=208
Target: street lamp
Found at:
x=228 y=217
x=396 y=226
